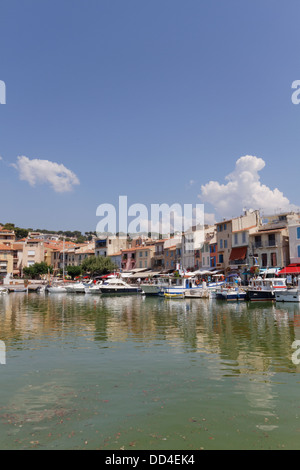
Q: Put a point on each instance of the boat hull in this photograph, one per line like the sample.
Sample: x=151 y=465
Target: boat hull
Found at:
x=260 y=295
x=120 y=291
x=151 y=290
x=291 y=295
x=178 y=295
x=56 y=290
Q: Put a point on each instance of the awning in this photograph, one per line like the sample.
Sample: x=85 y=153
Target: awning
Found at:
x=238 y=253
x=291 y=269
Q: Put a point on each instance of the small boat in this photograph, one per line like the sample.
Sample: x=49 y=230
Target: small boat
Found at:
x=155 y=287
x=231 y=294
x=3 y=290
x=174 y=295
x=289 y=294
x=265 y=288
x=196 y=293
x=76 y=288
x=94 y=289
x=15 y=289
x=118 y=286
x=56 y=290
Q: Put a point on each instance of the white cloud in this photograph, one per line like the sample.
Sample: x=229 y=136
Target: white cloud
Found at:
x=37 y=171
x=244 y=190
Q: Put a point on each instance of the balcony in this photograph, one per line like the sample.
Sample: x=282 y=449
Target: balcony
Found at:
x=264 y=244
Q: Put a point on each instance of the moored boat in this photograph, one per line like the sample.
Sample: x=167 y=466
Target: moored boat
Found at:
x=56 y=289
x=262 y=289
x=174 y=295
x=118 y=286
x=289 y=294
x=231 y=294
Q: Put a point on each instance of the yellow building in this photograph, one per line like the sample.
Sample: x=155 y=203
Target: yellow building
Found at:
x=6 y=260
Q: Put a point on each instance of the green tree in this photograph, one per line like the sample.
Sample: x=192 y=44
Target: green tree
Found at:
x=21 y=233
x=73 y=271
x=37 y=270
x=98 y=265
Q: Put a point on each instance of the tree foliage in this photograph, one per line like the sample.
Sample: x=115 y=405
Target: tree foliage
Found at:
x=98 y=265
x=37 y=270
x=74 y=271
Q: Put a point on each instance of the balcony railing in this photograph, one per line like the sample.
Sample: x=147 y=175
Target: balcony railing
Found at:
x=265 y=244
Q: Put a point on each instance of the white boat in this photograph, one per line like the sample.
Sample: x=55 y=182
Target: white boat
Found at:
x=94 y=289
x=3 y=290
x=118 y=286
x=56 y=290
x=289 y=294
x=77 y=288
x=197 y=293
x=181 y=285
x=155 y=286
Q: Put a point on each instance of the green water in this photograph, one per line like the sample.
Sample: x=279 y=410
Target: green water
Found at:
x=92 y=372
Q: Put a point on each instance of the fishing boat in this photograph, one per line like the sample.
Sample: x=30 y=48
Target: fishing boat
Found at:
x=231 y=294
x=3 y=290
x=261 y=289
x=120 y=287
x=196 y=293
x=155 y=287
x=181 y=285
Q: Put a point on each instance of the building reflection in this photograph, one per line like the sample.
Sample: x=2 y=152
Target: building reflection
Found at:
x=243 y=338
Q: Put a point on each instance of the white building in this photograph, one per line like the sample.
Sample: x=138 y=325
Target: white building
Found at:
x=294 y=239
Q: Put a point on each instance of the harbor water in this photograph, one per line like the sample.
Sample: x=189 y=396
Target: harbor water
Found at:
x=141 y=373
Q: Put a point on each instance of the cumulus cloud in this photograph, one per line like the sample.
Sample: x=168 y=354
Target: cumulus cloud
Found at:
x=244 y=189
x=37 y=171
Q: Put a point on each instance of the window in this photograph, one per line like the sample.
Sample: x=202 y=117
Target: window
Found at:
x=225 y=226
x=258 y=241
x=273 y=260
x=220 y=258
x=298 y=251
x=243 y=237
x=264 y=260
x=225 y=243
x=298 y=233
x=235 y=238
x=221 y=244
x=272 y=239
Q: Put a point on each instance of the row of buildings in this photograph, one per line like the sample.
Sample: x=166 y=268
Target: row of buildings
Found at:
x=232 y=245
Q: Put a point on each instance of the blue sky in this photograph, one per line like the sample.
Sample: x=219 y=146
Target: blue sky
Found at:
x=153 y=100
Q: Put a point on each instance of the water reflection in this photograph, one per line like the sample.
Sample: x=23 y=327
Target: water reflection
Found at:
x=246 y=337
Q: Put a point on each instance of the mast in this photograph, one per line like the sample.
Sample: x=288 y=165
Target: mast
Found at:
x=64 y=259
